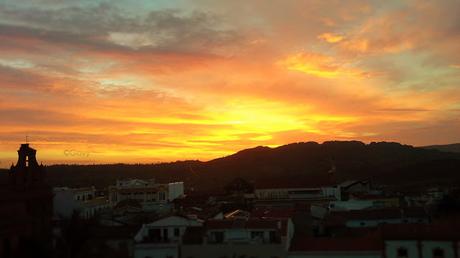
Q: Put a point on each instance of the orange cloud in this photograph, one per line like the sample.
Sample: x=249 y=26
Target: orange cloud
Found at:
x=319 y=65
x=331 y=37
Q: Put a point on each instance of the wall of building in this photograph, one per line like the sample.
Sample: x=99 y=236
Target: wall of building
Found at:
x=391 y=248
x=154 y=251
x=91 y=208
x=175 y=190
x=335 y=254
x=350 y=205
x=414 y=248
x=375 y=223
x=241 y=235
x=296 y=193
x=334 y=192
x=168 y=223
x=234 y=250
x=84 y=194
x=271 y=193
x=146 y=192
x=64 y=203
x=429 y=246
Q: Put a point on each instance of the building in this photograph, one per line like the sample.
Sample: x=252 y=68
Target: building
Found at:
x=354 y=186
x=358 y=247
x=113 y=242
x=376 y=217
x=298 y=193
x=26 y=208
x=151 y=195
x=365 y=202
x=239 y=238
x=162 y=238
x=420 y=241
x=83 y=200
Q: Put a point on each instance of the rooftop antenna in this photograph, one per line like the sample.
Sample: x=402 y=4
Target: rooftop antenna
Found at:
x=27 y=139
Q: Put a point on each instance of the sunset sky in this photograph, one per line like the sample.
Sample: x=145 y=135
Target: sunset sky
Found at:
x=149 y=81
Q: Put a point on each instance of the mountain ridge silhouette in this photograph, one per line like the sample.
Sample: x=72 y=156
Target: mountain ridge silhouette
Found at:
x=294 y=164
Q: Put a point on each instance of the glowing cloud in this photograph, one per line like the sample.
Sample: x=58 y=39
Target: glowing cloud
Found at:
x=331 y=38
x=149 y=81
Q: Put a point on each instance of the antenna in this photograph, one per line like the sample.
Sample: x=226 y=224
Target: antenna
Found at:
x=27 y=139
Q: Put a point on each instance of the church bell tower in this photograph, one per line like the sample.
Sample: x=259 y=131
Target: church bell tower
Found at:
x=27 y=172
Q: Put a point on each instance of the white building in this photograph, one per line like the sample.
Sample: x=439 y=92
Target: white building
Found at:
x=376 y=217
x=351 y=205
x=301 y=193
x=151 y=195
x=427 y=241
x=83 y=200
x=239 y=238
x=162 y=238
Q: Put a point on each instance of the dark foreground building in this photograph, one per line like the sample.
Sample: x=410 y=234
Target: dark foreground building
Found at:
x=25 y=209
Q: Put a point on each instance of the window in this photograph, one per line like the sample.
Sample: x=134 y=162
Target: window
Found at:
x=165 y=234
x=438 y=253
x=155 y=234
x=176 y=232
x=162 y=196
x=217 y=236
x=402 y=252
x=274 y=238
x=7 y=247
x=257 y=235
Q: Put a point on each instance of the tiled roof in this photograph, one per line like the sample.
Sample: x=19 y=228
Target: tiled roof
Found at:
x=237 y=223
x=201 y=213
x=349 y=183
x=237 y=213
x=274 y=213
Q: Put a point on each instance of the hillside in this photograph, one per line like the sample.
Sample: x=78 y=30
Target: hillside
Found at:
x=296 y=164
x=446 y=148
